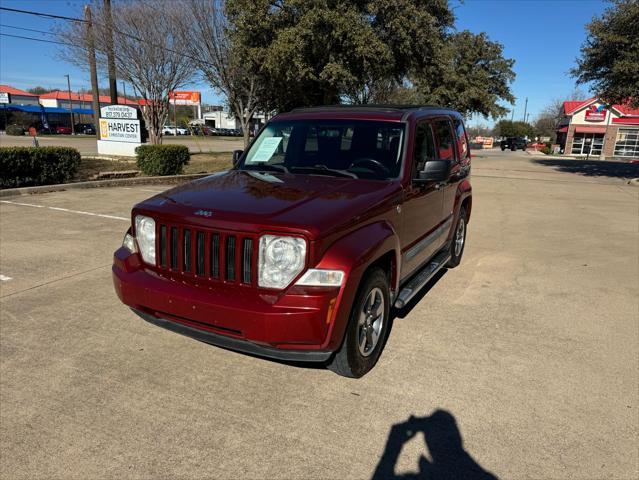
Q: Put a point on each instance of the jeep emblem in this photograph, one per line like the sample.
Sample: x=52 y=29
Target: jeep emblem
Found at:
x=203 y=213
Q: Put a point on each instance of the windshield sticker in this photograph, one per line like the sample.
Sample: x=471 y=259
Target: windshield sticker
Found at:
x=266 y=149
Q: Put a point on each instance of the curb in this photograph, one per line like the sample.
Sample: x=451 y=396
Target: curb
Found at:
x=118 y=182
x=634 y=182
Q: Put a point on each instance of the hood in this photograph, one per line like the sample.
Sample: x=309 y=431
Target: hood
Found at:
x=251 y=200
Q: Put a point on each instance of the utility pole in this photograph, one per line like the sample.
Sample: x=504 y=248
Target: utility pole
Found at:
x=93 y=70
x=124 y=90
x=70 y=105
x=525 y=109
x=512 y=117
x=113 y=85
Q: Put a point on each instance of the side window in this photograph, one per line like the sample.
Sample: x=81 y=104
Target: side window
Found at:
x=424 y=147
x=445 y=140
x=462 y=140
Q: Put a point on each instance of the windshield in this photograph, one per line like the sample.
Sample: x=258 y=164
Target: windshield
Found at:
x=349 y=148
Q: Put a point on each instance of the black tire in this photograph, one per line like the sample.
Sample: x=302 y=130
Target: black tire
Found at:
x=455 y=253
x=523 y=148
x=503 y=148
x=349 y=361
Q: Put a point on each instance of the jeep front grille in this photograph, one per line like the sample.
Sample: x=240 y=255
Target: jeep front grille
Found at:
x=212 y=255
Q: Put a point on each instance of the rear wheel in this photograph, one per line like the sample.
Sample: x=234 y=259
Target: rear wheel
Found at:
x=459 y=240
x=503 y=148
x=367 y=328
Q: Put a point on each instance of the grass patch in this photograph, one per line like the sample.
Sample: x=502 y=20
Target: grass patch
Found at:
x=200 y=163
x=209 y=162
x=89 y=167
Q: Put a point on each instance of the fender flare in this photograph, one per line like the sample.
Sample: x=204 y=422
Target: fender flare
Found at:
x=353 y=254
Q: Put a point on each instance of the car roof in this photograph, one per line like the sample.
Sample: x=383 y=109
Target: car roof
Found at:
x=391 y=112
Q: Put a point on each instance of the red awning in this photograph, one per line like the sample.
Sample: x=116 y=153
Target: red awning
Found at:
x=589 y=129
x=627 y=120
x=563 y=130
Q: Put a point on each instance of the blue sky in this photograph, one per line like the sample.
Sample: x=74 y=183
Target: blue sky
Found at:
x=543 y=36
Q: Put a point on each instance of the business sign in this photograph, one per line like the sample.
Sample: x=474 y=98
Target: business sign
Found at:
x=4 y=97
x=120 y=130
x=184 y=98
x=596 y=113
x=118 y=111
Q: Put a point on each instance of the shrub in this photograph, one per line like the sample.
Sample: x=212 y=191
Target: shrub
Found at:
x=14 y=130
x=162 y=159
x=545 y=150
x=27 y=166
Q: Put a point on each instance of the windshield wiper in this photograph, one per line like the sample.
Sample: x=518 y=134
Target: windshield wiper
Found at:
x=278 y=167
x=324 y=170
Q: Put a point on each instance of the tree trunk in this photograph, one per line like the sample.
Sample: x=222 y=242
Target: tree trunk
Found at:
x=246 y=132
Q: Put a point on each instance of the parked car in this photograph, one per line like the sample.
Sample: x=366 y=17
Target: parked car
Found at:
x=514 y=143
x=173 y=130
x=62 y=130
x=303 y=248
x=85 y=128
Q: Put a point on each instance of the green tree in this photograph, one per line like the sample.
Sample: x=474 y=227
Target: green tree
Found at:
x=610 y=55
x=331 y=51
x=507 y=128
x=472 y=76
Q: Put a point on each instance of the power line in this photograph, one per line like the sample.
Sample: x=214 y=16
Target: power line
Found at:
x=35 y=39
x=27 y=29
x=45 y=15
x=115 y=29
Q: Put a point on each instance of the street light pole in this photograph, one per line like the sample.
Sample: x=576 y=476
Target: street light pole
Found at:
x=70 y=105
x=124 y=90
x=525 y=108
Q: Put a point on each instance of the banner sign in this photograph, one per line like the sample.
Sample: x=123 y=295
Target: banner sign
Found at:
x=120 y=130
x=118 y=111
x=596 y=113
x=184 y=98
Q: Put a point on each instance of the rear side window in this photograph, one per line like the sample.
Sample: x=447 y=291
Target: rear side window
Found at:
x=444 y=139
x=462 y=140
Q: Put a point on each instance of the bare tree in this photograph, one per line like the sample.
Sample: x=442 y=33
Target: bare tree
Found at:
x=206 y=30
x=149 y=53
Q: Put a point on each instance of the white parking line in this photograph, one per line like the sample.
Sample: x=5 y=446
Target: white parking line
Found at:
x=4 y=278
x=66 y=210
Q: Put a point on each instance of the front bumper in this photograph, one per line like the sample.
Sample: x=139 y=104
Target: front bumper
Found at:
x=235 y=343
x=293 y=326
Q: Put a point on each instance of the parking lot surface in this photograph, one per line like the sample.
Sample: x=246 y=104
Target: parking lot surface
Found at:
x=529 y=351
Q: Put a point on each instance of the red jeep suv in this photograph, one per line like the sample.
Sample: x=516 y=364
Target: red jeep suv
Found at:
x=332 y=217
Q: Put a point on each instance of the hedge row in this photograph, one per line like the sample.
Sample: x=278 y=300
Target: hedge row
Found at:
x=162 y=159
x=28 y=166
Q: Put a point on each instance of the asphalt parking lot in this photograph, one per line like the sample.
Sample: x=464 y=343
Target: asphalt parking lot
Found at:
x=529 y=350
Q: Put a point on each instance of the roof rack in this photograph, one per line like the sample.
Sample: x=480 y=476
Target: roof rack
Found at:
x=385 y=107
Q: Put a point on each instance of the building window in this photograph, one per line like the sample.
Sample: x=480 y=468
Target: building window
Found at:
x=582 y=141
x=627 y=143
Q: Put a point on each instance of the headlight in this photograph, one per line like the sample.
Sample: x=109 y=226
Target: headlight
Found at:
x=321 y=278
x=281 y=260
x=129 y=243
x=145 y=235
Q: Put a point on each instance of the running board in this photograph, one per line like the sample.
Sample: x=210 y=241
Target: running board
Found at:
x=420 y=279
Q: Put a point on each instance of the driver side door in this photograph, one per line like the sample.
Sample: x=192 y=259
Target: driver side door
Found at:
x=423 y=206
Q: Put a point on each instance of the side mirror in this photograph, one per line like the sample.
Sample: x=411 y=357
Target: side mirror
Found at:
x=434 y=171
x=237 y=154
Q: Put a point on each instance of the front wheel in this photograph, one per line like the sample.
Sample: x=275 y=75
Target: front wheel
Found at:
x=459 y=240
x=503 y=148
x=367 y=328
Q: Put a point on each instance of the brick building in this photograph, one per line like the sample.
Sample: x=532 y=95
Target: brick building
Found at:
x=589 y=127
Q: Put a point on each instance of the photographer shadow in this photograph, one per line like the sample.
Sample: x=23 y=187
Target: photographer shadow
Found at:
x=443 y=440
